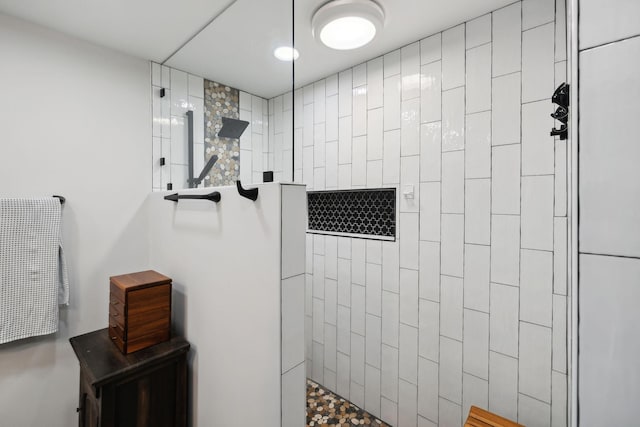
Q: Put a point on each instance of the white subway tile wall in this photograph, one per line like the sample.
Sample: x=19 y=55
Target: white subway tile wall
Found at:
x=468 y=306
x=609 y=189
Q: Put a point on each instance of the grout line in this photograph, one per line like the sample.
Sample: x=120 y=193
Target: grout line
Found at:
x=539 y=100
x=524 y=30
x=491 y=120
x=534 y=398
x=540 y=174
x=511 y=73
x=475 y=376
x=467 y=49
x=608 y=255
x=505 y=145
x=448 y=400
x=535 y=324
x=503 y=354
x=439 y=339
x=473 y=113
x=606 y=44
x=475 y=310
x=520 y=218
x=462 y=86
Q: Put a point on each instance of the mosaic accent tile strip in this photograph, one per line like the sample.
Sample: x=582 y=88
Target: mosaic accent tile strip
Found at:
x=328 y=409
x=370 y=212
x=220 y=101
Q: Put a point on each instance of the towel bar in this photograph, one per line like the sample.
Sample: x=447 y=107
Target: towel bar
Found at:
x=214 y=197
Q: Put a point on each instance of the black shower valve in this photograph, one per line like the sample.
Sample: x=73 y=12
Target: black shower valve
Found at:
x=561 y=114
x=561 y=95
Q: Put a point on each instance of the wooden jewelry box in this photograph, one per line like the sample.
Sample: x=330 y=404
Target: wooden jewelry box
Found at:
x=139 y=310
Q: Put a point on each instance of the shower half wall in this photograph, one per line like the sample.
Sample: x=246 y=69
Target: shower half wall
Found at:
x=238 y=298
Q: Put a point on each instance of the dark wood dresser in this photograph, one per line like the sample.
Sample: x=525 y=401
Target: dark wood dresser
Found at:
x=147 y=388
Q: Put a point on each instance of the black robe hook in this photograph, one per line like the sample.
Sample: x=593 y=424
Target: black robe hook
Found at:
x=60 y=198
x=249 y=193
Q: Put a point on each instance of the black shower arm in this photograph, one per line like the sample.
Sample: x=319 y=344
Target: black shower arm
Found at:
x=194 y=182
x=249 y=193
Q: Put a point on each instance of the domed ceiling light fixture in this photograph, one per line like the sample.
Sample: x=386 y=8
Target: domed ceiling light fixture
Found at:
x=347 y=24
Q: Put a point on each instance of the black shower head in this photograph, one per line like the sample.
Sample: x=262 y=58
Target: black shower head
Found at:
x=232 y=128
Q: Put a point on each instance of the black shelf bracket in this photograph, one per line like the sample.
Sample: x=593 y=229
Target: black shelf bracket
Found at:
x=249 y=193
x=213 y=197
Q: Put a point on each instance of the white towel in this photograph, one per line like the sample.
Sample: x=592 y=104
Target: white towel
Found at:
x=33 y=275
x=63 y=276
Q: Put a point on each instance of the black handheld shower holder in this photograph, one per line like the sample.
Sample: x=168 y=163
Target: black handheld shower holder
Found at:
x=561 y=98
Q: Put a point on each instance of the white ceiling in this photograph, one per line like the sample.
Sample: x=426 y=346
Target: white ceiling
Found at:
x=149 y=29
x=236 y=48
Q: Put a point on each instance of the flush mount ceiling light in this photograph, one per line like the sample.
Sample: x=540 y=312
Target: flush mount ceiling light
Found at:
x=286 y=53
x=347 y=24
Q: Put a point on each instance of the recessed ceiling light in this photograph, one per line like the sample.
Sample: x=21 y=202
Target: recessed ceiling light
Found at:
x=286 y=53
x=347 y=24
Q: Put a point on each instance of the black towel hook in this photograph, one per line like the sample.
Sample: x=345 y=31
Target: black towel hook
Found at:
x=249 y=193
x=60 y=198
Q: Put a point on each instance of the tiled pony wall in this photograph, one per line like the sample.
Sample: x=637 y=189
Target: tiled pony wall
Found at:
x=209 y=101
x=469 y=305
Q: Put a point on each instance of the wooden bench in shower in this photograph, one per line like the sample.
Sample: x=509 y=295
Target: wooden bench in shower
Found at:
x=481 y=418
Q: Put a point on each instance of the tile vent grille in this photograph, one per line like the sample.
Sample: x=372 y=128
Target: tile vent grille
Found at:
x=365 y=213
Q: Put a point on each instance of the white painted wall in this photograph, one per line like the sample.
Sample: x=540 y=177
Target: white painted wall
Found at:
x=75 y=120
x=225 y=262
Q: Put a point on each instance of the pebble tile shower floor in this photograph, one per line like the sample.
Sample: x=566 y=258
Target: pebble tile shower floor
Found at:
x=328 y=409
